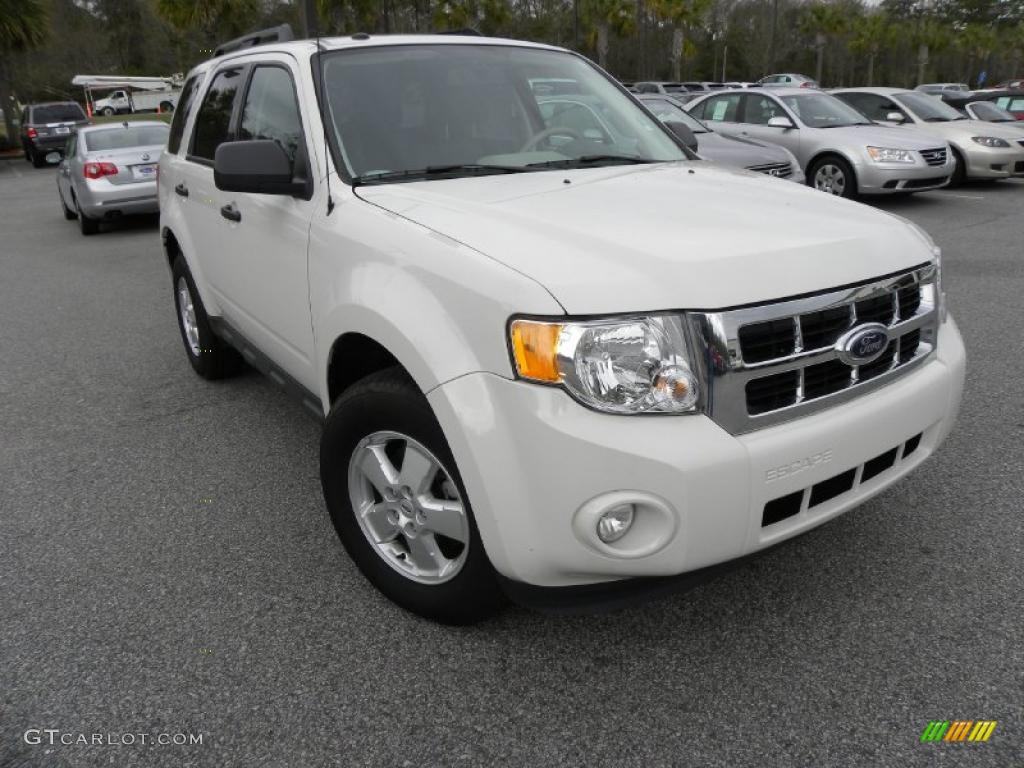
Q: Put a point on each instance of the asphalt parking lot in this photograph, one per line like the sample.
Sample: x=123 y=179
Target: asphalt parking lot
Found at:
x=167 y=565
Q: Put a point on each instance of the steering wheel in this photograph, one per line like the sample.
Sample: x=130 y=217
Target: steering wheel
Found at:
x=554 y=130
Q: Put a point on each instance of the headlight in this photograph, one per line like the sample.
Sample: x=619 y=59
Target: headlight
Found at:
x=617 y=365
x=886 y=155
x=990 y=141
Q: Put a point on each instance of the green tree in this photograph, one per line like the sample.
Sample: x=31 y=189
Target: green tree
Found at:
x=24 y=24
x=823 y=22
x=977 y=41
x=681 y=15
x=928 y=36
x=872 y=34
x=606 y=16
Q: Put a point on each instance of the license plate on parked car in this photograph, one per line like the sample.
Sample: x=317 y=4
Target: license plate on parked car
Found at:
x=144 y=171
x=63 y=129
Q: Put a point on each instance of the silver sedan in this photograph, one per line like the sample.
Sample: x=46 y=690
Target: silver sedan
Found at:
x=841 y=151
x=109 y=171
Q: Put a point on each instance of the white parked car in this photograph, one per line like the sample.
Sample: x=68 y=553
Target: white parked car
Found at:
x=547 y=365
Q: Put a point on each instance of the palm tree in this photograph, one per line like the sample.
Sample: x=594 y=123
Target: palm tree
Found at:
x=605 y=16
x=872 y=34
x=208 y=16
x=681 y=15
x=24 y=25
x=977 y=41
x=928 y=36
x=823 y=21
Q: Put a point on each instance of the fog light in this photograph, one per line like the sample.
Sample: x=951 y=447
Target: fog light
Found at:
x=615 y=523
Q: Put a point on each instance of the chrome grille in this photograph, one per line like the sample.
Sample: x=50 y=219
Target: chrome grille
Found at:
x=934 y=156
x=782 y=170
x=775 y=362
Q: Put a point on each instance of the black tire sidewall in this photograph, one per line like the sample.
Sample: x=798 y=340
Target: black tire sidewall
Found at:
x=379 y=403
x=850 y=191
x=959 y=175
x=215 y=360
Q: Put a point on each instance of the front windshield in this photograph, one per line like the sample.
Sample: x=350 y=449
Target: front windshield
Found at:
x=928 y=108
x=448 y=109
x=985 y=110
x=820 y=110
x=668 y=112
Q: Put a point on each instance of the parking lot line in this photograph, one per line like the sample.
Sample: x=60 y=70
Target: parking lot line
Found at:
x=962 y=197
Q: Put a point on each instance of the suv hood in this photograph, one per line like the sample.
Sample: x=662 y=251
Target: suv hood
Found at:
x=669 y=236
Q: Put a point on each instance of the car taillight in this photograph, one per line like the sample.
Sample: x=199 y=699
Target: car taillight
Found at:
x=98 y=170
x=805 y=84
x=32 y=133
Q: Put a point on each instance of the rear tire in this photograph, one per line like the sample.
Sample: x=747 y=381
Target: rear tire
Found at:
x=89 y=226
x=38 y=160
x=833 y=175
x=107 y=111
x=209 y=356
x=414 y=536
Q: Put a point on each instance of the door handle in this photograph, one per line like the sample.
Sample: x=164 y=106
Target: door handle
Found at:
x=231 y=213
x=181 y=189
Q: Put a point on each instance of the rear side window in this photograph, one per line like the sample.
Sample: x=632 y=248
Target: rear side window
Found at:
x=271 y=110
x=213 y=122
x=722 y=109
x=188 y=94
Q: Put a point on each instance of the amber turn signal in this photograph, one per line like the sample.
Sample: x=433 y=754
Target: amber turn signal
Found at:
x=535 y=348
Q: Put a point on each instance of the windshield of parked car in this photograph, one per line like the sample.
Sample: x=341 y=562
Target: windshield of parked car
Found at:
x=819 y=110
x=668 y=112
x=986 y=110
x=441 y=110
x=123 y=138
x=57 y=113
x=928 y=108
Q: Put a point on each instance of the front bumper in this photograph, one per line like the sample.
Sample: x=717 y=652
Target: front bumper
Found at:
x=880 y=179
x=531 y=459
x=994 y=162
x=100 y=199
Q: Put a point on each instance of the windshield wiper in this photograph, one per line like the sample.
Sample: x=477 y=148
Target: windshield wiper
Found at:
x=936 y=119
x=437 y=171
x=591 y=160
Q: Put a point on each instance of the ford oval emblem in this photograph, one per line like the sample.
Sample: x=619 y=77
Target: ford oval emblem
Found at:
x=864 y=344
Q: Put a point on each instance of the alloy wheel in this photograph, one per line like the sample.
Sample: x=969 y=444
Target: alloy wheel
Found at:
x=187 y=313
x=408 y=507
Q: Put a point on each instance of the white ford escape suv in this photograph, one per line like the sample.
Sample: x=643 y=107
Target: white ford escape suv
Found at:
x=550 y=360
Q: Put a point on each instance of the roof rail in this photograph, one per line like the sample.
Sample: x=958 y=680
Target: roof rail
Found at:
x=280 y=34
x=469 y=31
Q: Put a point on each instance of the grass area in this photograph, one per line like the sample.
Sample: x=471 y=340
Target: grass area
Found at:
x=100 y=119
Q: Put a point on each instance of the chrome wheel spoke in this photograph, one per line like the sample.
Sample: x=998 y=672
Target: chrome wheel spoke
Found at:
x=418 y=470
x=380 y=522
x=446 y=517
x=425 y=556
x=378 y=469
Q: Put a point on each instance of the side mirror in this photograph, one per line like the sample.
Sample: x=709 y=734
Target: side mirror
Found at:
x=683 y=133
x=895 y=117
x=261 y=167
x=780 y=122
x=53 y=157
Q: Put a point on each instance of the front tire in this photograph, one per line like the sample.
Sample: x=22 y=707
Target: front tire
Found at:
x=834 y=176
x=210 y=357
x=398 y=503
x=959 y=170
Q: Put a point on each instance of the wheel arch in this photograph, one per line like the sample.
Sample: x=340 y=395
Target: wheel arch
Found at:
x=831 y=153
